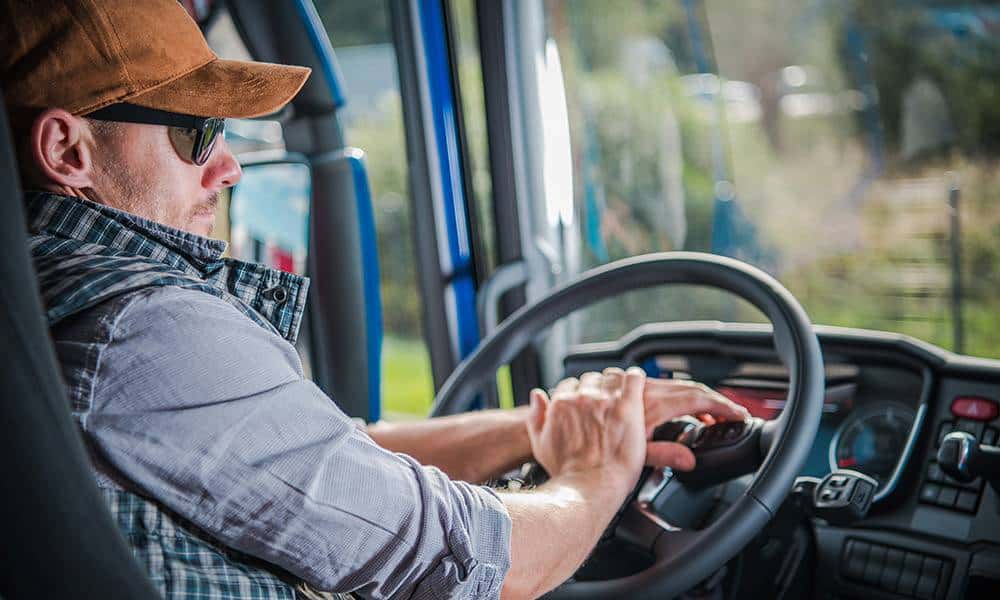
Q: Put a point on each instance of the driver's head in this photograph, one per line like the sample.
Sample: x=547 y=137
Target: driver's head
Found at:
x=121 y=102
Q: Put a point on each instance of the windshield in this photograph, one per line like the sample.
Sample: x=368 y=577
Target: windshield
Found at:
x=848 y=148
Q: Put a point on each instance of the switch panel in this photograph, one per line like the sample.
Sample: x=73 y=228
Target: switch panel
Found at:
x=896 y=570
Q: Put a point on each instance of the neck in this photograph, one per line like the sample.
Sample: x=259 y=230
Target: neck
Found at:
x=66 y=190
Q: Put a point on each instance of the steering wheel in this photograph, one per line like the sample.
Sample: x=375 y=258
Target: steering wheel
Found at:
x=682 y=558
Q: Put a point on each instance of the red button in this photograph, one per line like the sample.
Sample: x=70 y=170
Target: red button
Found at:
x=977 y=409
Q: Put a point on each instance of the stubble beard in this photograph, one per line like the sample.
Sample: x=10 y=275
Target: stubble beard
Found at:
x=208 y=206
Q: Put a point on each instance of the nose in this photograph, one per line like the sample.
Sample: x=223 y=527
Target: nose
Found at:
x=222 y=169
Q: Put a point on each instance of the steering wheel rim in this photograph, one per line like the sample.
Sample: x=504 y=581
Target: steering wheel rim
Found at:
x=681 y=559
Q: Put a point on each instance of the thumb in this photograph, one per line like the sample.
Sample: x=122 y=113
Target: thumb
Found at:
x=536 y=412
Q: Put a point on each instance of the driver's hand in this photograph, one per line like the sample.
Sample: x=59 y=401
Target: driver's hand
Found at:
x=667 y=399
x=592 y=426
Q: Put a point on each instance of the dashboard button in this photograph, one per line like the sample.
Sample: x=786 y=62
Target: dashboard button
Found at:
x=929 y=493
x=975 y=408
x=975 y=484
x=967 y=501
x=934 y=472
x=893 y=569
x=911 y=573
x=862 y=492
x=944 y=580
x=857 y=555
x=947 y=497
x=829 y=495
x=873 y=569
x=929 y=576
x=733 y=431
x=990 y=436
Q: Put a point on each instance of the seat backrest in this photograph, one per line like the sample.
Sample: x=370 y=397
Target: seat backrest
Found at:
x=59 y=539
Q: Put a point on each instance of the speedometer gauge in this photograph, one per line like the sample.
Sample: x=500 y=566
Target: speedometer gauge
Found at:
x=871 y=439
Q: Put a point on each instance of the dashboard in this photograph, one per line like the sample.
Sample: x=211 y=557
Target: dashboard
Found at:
x=889 y=401
x=869 y=410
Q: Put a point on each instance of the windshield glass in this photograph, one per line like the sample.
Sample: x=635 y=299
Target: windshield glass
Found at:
x=848 y=148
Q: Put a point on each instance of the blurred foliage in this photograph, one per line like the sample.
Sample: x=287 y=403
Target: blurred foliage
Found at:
x=380 y=134
x=941 y=41
x=857 y=229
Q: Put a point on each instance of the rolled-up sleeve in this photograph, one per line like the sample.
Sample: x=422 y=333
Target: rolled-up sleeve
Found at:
x=211 y=415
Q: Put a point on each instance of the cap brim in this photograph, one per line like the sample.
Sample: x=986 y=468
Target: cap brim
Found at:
x=228 y=88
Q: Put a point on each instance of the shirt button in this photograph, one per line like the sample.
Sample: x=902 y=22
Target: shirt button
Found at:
x=278 y=294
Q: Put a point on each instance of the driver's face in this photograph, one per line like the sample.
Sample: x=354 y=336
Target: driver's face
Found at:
x=136 y=169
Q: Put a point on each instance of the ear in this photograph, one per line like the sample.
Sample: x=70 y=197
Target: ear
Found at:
x=60 y=148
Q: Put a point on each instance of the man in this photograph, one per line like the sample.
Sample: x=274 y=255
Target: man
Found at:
x=230 y=474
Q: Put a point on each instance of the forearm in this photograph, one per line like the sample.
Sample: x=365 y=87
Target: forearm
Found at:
x=554 y=528
x=470 y=447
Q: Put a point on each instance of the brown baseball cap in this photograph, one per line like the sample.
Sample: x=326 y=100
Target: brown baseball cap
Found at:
x=82 y=55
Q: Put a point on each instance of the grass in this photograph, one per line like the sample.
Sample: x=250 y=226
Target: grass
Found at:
x=408 y=385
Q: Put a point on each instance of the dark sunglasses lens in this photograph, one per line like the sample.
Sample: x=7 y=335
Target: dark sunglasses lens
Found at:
x=184 y=141
x=213 y=129
x=196 y=145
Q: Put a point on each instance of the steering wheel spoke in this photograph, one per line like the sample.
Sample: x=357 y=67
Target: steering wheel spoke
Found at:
x=640 y=526
x=674 y=543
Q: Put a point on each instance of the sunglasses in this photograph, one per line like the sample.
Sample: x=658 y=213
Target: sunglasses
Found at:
x=192 y=137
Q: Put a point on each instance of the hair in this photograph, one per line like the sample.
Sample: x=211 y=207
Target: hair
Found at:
x=104 y=128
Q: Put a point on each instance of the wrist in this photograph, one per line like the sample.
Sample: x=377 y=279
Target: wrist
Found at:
x=610 y=484
x=520 y=439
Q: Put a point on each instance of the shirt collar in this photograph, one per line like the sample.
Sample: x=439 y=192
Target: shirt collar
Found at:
x=279 y=297
x=48 y=212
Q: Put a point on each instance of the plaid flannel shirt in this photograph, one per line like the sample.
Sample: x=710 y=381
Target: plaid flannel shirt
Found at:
x=86 y=254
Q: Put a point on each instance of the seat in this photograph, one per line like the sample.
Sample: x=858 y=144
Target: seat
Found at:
x=59 y=539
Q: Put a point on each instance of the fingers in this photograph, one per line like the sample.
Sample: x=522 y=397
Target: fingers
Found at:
x=669 y=398
x=633 y=383
x=590 y=384
x=566 y=388
x=669 y=454
x=611 y=382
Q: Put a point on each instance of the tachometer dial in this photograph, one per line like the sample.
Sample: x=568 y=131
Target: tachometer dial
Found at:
x=871 y=439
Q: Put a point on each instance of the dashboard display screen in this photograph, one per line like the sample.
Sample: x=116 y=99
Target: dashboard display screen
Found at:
x=766 y=401
x=872 y=439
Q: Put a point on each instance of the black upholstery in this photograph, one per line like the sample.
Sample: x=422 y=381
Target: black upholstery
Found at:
x=59 y=540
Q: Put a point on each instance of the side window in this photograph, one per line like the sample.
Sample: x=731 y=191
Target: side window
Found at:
x=372 y=119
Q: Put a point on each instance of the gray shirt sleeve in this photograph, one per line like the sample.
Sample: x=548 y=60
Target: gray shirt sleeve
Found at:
x=211 y=415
